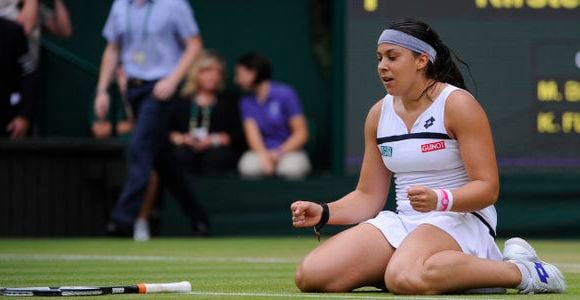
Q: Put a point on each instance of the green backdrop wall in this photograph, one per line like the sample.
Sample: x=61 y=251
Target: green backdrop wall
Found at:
x=534 y=199
x=282 y=30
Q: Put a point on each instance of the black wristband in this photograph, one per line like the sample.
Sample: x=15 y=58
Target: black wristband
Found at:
x=323 y=218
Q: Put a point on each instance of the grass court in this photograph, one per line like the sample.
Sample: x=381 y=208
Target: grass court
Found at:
x=218 y=268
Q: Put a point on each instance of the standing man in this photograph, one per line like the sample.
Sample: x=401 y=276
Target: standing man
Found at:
x=156 y=41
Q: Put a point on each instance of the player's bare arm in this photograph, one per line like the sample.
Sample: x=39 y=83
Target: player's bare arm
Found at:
x=467 y=122
x=371 y=192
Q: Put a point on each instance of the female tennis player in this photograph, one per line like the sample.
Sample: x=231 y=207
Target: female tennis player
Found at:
x=434 y=139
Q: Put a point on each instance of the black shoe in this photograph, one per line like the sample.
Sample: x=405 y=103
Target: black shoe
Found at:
x=119 y=230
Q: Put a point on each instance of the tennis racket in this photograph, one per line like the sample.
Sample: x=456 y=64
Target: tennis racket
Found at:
x=143 y=288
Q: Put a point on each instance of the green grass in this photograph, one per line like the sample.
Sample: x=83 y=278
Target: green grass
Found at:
x=219 y=268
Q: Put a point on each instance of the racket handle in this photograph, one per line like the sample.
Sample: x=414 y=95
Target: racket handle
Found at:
x=174 y=287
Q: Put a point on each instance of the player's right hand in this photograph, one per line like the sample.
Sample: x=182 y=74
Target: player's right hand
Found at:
x=102 y=104
x=305 y=213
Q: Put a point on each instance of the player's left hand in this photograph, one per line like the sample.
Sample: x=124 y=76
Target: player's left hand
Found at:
x=423 y=199
x=164 y=88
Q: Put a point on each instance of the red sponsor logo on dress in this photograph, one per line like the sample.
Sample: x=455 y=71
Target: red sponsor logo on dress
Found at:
x=433 y=146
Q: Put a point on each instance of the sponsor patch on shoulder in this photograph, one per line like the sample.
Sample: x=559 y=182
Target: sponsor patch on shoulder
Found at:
x=433 y=146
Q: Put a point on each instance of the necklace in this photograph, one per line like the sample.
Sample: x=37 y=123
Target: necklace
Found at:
x=426 y=91
x=194 y=120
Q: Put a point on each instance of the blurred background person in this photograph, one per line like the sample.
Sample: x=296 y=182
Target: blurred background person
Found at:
x=13 y=48
x=124 y=122
x=273 y=122
x=206 y=132
x=208 y=135
x=156 y=42
x=32 y=15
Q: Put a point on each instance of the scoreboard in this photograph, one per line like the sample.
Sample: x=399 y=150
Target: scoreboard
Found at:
x=524 y=57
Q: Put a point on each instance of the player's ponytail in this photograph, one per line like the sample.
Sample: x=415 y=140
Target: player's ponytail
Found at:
x=444 y=68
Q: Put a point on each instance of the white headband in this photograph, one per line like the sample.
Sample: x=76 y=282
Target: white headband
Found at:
x=410 y=42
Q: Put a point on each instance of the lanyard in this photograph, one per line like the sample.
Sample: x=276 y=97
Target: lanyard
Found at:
x=145 y=32
x=205 y=117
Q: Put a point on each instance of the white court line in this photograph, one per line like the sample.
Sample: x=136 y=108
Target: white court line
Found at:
x=47 y=257
x=565 y=267
x=361 y=295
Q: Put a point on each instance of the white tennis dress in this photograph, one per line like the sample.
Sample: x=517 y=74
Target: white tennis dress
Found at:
x=427 y=156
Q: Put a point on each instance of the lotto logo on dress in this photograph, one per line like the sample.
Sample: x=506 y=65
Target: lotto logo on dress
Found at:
x=433 y=146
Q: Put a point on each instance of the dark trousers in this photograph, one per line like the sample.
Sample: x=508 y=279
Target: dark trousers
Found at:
x=29 y=95
x=148 y=149
x=7 y=114
x=213 y=161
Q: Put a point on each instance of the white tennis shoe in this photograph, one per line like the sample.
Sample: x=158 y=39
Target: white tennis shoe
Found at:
x=519 y=249
x=141 y=230
x=543 y=277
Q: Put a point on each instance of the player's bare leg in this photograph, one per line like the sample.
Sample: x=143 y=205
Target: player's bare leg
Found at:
x=429 y=261
x=351 y=259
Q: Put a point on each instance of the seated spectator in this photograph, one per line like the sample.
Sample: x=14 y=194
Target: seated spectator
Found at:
x=208 y=133
x=274 y=124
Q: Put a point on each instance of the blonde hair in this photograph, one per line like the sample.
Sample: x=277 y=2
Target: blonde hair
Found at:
x=207 y=57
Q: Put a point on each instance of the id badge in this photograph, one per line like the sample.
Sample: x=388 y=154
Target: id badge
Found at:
x=138 y=57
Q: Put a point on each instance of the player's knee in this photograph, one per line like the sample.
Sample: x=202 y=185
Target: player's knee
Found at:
x=311 y=278
x=432 y=274
x=299 y=279
x=304 y=279
x=397 y=281
x=403 y=282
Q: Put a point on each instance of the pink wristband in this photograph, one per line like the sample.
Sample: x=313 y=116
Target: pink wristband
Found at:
x=444 y=200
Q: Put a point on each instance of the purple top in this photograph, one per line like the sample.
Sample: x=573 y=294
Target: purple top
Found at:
x=273 y=116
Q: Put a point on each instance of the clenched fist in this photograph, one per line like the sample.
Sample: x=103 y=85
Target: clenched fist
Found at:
x=305 y=213
x=422 y=199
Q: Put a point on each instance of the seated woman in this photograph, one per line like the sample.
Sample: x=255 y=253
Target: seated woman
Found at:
x=273 y=121
x=208 y=131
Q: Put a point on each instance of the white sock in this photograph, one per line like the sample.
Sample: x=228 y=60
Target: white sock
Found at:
x=526 y=276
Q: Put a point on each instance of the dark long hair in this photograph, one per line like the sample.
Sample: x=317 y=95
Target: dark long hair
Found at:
x=257 y=63
x=444 y=68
